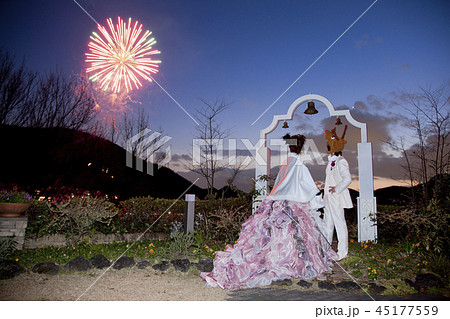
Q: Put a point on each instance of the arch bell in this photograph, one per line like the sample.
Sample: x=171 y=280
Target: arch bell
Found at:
x=366 y=202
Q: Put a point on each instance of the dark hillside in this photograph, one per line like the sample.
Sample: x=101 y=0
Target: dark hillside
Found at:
x=48 y=159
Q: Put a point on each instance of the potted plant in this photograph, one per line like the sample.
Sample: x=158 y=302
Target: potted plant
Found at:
x=13 y=203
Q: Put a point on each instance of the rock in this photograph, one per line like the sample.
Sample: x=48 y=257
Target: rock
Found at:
x=304 y=284
x=78 y=264
x=162 y=266
x=425 y=281
x=285 y=282
x=47 y=267
x=142 y=264
x=205 y=265
x=124 y=262
x=181 y=264
x=411 y=283
x=377 y=289
x=10 y=269
x=348 y=285
x=99 y=261
x=326 y=285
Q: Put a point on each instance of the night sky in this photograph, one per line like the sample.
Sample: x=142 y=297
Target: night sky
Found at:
x=248 y=52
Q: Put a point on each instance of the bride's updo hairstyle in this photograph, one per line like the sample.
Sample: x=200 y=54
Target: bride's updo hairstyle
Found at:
x=295 y=142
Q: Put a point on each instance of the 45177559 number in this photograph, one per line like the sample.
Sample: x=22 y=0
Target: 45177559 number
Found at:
x=407 y=310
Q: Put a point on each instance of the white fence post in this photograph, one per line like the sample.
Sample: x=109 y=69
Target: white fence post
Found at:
x=189 y=212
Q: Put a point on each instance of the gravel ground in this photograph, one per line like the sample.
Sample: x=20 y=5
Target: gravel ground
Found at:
x=148 y=285
x=131 y=284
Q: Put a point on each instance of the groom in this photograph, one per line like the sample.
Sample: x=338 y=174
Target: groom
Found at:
x=336 y=194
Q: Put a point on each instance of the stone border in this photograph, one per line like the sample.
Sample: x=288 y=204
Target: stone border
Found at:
x=59 y=240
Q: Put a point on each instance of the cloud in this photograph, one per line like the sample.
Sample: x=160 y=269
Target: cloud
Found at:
x=244 y=180
x=240 y=152
x=405 y=66
x=302 y=125
x=383 y=124
x=180 y=157
x=342 y=107
x=360 y=105
x=375 y=102
x=368 y=41
x=364 y=41
x=250 y=104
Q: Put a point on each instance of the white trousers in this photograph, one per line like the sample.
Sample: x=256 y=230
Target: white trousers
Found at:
x=334 y=217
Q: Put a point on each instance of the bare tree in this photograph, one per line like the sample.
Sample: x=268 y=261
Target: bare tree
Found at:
x=209 y=134
x=133 y=123
x=135 y=126
x=16 y=84
x=428 y=118
x=400 y=146
x=235 y=170
x=59 y=101
x=52 y=100
x=426 y=152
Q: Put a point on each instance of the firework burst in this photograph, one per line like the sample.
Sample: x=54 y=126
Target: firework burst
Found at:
x=120 y=58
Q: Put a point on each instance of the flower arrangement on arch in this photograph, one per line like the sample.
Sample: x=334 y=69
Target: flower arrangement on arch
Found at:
x=14 y=196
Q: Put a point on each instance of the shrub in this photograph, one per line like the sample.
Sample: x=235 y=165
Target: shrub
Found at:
x=7 y=247
x=426 y=224
x=440 y=265
x=389 y=230
x=222 y=219
x=180 y=244
x=218 y=219
x=77 y=215
x=139 y=213
x=39 y=217
x=226 y=224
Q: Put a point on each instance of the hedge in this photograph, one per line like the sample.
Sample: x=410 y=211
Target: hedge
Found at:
x=220 y=218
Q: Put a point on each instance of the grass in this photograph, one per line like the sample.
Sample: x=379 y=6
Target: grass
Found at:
x=389 y=264
x=154 y=251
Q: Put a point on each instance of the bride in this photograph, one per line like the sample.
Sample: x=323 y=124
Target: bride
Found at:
x=283 y=239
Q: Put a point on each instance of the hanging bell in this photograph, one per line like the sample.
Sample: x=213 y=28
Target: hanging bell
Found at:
x=311 y=109
x=285 y=125
x=338 y=121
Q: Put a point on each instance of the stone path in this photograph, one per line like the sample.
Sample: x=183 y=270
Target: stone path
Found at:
x=334 y=286
x=280 y=294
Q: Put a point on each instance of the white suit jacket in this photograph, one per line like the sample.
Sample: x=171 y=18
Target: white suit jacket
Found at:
x=339 y=177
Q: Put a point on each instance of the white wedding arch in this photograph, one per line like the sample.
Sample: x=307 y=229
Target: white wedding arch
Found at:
x=367 y=229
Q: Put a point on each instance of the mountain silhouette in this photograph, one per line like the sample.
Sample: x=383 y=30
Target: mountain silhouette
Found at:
x=53 y=160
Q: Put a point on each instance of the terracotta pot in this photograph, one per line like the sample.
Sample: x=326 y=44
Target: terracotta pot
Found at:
x=13 y=209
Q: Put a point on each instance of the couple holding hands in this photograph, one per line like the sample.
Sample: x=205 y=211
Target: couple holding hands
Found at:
x=286 y=237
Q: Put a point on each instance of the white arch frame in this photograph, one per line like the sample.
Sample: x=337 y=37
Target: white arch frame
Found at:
x=367 y=229
x=314 y=97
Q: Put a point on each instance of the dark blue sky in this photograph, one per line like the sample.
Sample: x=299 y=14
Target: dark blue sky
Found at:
x=249 y=52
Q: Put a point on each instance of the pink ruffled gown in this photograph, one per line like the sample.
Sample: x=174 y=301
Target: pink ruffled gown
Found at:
x=282 y=240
